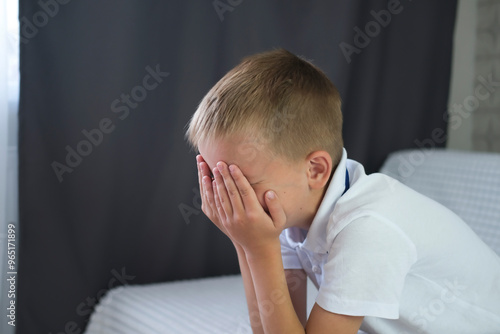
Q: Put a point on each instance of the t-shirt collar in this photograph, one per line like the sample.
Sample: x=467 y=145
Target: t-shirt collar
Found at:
x=316 y=236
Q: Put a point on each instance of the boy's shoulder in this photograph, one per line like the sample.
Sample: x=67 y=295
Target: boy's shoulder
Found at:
x=383 y=195
x=380 y=199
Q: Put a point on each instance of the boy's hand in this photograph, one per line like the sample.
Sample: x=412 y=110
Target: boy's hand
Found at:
x=241 y=215
x=207 y=186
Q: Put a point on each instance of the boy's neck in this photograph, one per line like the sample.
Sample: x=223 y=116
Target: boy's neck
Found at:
x=317 y=199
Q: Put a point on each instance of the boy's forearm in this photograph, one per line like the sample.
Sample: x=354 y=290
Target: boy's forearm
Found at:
x=253 y=310
x=277 y=313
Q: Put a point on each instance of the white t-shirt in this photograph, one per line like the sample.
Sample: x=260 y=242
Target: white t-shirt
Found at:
x=402 y=260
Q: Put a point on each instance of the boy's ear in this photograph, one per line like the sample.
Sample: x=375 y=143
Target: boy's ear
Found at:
x=319 y=169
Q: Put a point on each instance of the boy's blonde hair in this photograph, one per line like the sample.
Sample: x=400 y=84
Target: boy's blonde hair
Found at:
x=285 y=103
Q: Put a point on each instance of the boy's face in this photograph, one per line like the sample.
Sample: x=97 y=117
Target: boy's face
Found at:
x=265 y=172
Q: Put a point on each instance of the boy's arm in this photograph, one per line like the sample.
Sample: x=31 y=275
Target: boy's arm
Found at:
x=297 y=288
x=248 y=225
x=253 y=309
x=280 y=317
x=296 y=280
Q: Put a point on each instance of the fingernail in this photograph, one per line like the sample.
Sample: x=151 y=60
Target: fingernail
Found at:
x=271 y=195
x=232 y=168
x=220 y=166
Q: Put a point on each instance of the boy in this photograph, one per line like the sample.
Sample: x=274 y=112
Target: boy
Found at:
x=274 y=177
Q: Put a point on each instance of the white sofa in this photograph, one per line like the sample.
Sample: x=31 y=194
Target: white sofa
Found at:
x=467 y=183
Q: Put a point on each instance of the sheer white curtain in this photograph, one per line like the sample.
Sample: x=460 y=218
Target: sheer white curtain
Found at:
x=9 y=98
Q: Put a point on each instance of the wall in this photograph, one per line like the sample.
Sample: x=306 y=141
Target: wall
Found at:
x=486 y=119
x=474 y=103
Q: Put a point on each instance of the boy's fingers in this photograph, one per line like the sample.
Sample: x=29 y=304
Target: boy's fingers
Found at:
x=275 y=209
x=231 y=188
x=218 y=204
x=202 y=167
x=204 y=190
x=201 y=170
x=247 y=194
x=211 y=205
x=208 y=195
x=205 y=170
x=200 y=180
x=208 y=190
x=221 y=192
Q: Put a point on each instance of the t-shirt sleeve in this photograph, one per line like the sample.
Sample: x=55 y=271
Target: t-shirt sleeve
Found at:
x=366 y=269
x=288 y=253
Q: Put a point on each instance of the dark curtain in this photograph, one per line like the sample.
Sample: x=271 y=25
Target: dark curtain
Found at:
x=108 y=186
